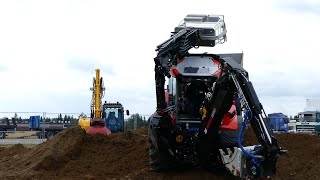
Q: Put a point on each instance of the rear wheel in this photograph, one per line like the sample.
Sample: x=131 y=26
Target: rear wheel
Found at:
x=39 y=135
x=154 y=157
x=49 y=135
x=158 y=158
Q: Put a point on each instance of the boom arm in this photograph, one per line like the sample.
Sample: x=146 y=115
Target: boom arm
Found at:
x=250 y=103
x=97 y=94
x=97 y=121
x=235 y=84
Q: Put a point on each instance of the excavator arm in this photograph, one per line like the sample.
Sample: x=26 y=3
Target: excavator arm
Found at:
x=233 y=84
x=98 y=90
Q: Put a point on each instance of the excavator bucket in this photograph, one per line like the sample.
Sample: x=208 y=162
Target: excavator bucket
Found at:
x=97 y=126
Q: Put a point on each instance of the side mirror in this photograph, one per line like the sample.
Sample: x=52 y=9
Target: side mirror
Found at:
x=127 y=112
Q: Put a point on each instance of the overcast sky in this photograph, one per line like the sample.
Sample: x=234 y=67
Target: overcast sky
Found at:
x=49 y=50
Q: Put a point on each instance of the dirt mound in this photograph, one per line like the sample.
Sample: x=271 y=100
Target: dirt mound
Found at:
x=119 y=155
x=13 y=150
x=12 y=153
x=304 y=157
x=72 y=154
x=55 y=153
x=50 y=155
x=249 y=138
x=303 y=160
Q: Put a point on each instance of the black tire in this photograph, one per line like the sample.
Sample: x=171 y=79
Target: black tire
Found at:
x=39 y=135
x=158 y=157
x=154 y=157
x=49 y=135
x=154 y=154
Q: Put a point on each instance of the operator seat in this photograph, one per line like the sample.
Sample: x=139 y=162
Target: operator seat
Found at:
x=195 y=93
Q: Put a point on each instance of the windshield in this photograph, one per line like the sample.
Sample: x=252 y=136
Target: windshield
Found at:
x=110 y=113
x=114 y=120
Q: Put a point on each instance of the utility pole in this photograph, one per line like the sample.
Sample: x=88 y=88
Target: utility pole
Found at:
x=135 y=121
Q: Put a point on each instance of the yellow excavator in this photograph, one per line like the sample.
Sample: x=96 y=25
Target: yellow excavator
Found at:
x=96 y=123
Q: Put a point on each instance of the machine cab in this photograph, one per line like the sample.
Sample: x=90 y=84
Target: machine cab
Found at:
x=191 y=81
x=113 y=113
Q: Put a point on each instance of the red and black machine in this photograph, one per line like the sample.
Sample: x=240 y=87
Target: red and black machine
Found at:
x=204 y=102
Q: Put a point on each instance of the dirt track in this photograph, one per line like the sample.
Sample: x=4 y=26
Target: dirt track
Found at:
x=74 y=155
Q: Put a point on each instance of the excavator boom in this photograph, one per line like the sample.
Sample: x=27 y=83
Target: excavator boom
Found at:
x=97 y=95
x=97 y=122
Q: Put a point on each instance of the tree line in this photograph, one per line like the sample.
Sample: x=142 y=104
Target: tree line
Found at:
x=59 y=119
x=141 y=122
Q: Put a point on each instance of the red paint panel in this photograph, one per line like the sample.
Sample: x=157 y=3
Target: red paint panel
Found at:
x=216 y=62
x=180 y=61
x=230 y=119
x=173 y=118
x=217 y=73
x=22 y=128
x=166 y=95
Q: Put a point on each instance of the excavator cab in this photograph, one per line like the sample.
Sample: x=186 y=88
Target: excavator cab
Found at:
x=113 y=114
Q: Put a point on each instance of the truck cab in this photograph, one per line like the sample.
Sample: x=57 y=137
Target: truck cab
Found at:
x=279 y=122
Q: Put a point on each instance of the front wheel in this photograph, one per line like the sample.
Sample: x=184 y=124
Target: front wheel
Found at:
x=154 y=159
x=50 y=135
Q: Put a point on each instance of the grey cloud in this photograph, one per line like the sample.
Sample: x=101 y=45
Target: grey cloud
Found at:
x=289 y=105
x=273 y=84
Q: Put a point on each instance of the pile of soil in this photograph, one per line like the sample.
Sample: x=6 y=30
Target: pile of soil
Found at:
x=303 y=160
x=20 y=162
x=72 y=154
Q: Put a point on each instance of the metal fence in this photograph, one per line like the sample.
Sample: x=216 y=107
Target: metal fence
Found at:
x=22 y=134
x=26 y=138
